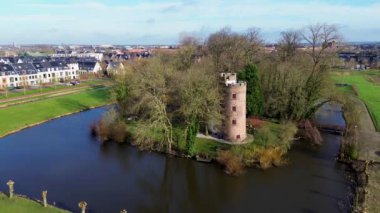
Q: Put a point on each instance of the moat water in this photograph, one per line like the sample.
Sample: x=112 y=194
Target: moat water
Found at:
x=62 y=157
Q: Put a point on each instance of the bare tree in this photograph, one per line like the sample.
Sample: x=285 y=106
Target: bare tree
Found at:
x=120 y=92
x=319 y=36
x=24 y=83
x=6 y=90
x=231 y=51
x=198 y=94
x=39 y=82
x=253 y=35
x=288 y=43
x=254 y=47
x=188 y=39
x=228 y=50
x=151 y=86
x=187 y=53
x=294 y=80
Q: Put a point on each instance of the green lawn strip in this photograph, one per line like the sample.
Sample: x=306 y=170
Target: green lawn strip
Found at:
x=369 y=92
x=204 y=146
x=51 y=95
x=20 y=204
x=346 y=90
x=13 y=94
x=19 y=93
x=17 y=117
x=269 y=135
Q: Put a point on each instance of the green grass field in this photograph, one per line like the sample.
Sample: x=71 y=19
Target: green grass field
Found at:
x=20 y=205
x=45 y=89
x=368 y=86
x=20 y=116
x=14 y=94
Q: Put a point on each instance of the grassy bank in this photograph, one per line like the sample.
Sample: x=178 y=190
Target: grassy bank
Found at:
x=17 y=117
x=20 y=204
x=367 y=84
x=271 y=143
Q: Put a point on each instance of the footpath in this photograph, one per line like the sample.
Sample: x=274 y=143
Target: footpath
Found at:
x=369 y=150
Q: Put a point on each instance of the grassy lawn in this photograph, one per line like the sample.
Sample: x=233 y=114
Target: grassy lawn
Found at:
x=60 y=87
x=347 y=90
x=13 y=94
x=19 y=205
x=207 y=146
x=368 y=88
x=49 y=95
x=20 y=116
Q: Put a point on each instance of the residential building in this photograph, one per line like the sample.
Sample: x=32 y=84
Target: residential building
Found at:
x=114 y=67
x=29 y=74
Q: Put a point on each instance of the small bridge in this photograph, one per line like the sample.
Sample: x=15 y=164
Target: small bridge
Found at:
x=329 y=118
x=336 y=129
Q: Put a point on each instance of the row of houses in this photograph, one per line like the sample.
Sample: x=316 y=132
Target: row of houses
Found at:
x=360 y=59
x=34 y=73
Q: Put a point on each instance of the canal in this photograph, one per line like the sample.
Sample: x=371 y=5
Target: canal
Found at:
x=62 y=157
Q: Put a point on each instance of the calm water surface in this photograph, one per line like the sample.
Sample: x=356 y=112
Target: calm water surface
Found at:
x=63 y=158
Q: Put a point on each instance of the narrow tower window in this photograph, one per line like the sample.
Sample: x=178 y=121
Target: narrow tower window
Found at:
x=234 y=96
x=233 y=122
x=234 y=109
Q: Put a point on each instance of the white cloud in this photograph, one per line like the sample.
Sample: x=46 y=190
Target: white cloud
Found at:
x=165 y=20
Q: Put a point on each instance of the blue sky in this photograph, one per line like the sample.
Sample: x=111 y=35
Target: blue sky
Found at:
x=162 y=21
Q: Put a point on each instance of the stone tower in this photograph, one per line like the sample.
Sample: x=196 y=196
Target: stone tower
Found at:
x=234 y=108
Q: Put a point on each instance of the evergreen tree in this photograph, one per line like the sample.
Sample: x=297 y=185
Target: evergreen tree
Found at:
x=255 y=99
x=192 y=131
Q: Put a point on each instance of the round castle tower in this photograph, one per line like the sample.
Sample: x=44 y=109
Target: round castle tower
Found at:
x=234 y=108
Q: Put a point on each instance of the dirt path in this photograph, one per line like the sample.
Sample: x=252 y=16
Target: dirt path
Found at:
x=369 y=139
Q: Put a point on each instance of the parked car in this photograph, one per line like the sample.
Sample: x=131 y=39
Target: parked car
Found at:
x=75 y=82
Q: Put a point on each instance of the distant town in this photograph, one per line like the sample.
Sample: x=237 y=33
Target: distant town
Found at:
x=28 y=65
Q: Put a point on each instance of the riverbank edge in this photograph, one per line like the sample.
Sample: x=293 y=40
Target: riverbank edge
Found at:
x=36 y=201
x=56 y=117
x=359 y=167
x=206 y=150
x=358 y=170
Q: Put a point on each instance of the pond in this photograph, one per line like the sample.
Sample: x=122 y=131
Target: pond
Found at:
x=62 y=157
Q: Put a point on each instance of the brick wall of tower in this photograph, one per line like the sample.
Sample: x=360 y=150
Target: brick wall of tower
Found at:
x=235 y=111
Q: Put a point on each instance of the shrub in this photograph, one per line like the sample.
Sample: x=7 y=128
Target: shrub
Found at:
x=144 y=143
x=231 y=162
x=270 y=157
x=249 y=153
x=311 y=133
x=148 y=138
x=349 y=149
x=118 y=132
x=103 y=130
x=109 y=127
